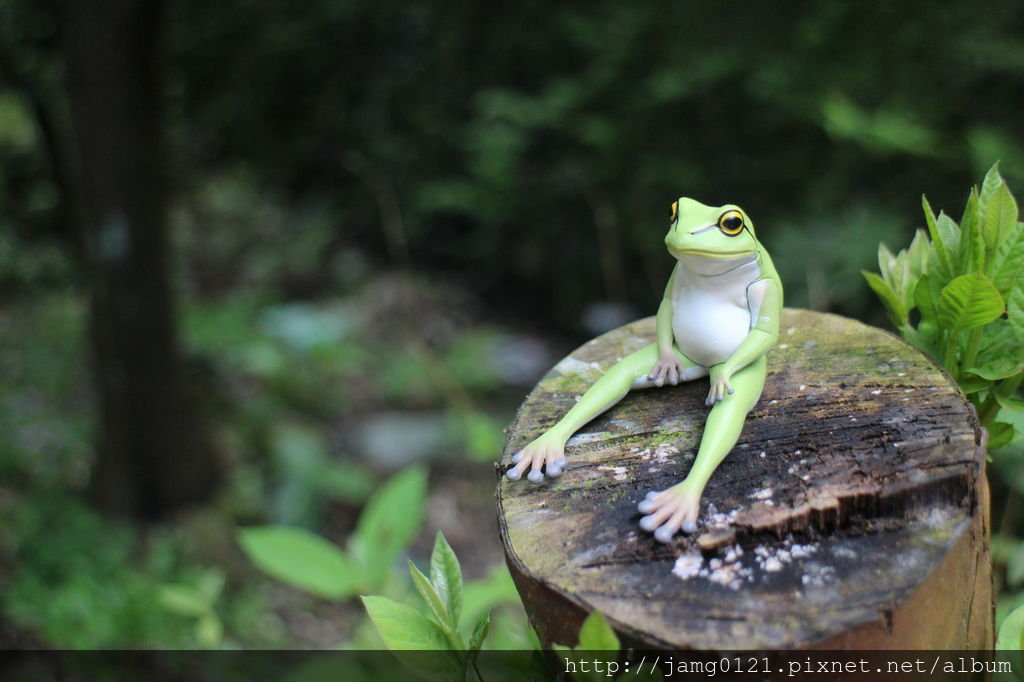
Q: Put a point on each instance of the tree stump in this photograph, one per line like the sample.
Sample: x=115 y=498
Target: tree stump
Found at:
x=853 y=512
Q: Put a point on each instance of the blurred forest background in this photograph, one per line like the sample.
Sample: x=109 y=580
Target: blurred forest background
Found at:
x=256 y=257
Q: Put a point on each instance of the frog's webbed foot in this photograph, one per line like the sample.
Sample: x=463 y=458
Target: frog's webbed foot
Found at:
x=720 y=387
x=544 y=456
x=670 y=510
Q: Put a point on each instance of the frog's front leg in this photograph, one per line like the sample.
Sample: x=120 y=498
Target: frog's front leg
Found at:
x=641 y=369
x=679 y=506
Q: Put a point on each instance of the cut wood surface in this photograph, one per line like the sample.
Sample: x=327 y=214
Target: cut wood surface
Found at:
x=851 y=514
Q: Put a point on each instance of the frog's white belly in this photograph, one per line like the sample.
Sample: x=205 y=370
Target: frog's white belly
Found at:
x=711 y=316
x=708 y=329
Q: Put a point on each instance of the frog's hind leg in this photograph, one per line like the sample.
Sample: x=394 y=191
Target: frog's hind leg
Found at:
x=679 y=506
x=546 y=454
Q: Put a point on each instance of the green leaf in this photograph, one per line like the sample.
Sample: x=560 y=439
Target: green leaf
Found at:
x=969 y=301
x=999 y=434
x=209 y=631
x=301 y=559
x=403 y=628
x=1000 y=354
x=476 y=640
x=446 y=575
x=944 y=257
x=924 y=301
x=1000 y=216
x=917 y=255
x=929 y=220
x=972 y=240
x=1009 y=403
x=886 y=263
x=183 y=600
x=1009 y=265
x=893 y=304
x=390 y=520
x=945 y=237
x=597 y=635
x=1015 y=312
x=971 y=383
x=1011 y=632
x=434 y=602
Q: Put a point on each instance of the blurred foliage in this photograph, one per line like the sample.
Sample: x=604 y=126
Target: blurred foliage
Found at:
x=367 y=198
x=501 y=145
x=458 y=616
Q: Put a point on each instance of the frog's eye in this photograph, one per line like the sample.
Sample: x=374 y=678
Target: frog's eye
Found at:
x=675 y=212
x=731 y=222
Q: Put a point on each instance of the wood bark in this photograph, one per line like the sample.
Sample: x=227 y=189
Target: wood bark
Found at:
x=152 y=454
x=853 y=512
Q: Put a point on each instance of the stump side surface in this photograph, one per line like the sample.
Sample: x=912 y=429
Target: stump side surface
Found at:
x=855 y=475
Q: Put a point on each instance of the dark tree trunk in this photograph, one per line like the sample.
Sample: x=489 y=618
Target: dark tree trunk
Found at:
x=153 y=455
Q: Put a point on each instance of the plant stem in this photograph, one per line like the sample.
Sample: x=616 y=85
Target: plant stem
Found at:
x=949 y=357
x=973 y=341
x=989 y=408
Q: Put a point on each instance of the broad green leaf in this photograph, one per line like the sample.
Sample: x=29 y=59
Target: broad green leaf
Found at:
x=402 y=627
x=929 y=220
x=1009 y=403
x=972 y=241
x=969 y=301
x=446 y=575
x=892 y=302
x=183 y=600
x=970 y=383
x=945 y=238
x=917 y=255
x=390 y=520
x=476 y=640
x=1015 y=311
x=1000 y=216
x=886 y=262
x=434 y=602
x=1000 y=355
x=999 y=434
x=1011 y=632
x=924 y=300
x=1009 y=265
x=990 y=185
x=301 y=559
x=597 y=635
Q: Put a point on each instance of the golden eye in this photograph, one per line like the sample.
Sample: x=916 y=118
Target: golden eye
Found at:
x=675 y=212
x=731 y=222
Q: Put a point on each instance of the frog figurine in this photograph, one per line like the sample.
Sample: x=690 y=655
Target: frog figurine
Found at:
x=719 y=316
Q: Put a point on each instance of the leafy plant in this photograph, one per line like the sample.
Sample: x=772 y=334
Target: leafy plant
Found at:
x=390 y=520
x=404 y=628
x=1010 y=641
x=197 y=602
x=957 y=293
x=596 y=635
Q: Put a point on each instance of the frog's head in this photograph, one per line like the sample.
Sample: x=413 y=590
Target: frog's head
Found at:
x=715 y=233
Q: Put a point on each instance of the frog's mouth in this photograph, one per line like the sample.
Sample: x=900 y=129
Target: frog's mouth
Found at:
x=715 y=264
x=717 y=255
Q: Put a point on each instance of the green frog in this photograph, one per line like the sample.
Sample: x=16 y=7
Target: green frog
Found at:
x=718 y=318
